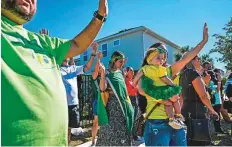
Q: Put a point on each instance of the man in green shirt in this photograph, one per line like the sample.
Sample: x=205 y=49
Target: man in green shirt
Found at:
x=34 y=105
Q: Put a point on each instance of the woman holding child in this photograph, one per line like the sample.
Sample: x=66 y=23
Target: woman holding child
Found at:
x=158 y=128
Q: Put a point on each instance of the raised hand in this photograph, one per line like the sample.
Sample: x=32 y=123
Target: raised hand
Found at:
x=102 y=68
x=219 y=77
x=124 y=62
x=99 y=55
x=103 y=7
x=44 y=31
x=207 y=78
x=124 y=72
x=205 y=33
x=94 y=46
x=71 y=61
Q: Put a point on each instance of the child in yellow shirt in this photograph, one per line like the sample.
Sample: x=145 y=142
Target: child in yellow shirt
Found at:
x=157 y=85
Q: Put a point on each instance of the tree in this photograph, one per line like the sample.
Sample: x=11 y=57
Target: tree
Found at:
x=206 y=57
x=182 y=51
x=223 y=45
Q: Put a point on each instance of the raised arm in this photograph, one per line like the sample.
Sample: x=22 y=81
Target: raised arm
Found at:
x=96 y=69
x=103 y=84
x=82 y=41
x=89 y=64
x=179 y=65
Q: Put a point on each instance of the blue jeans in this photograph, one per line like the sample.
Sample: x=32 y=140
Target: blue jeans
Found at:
x=159 y=133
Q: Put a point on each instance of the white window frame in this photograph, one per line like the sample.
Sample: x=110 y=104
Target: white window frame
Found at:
x=118 y=41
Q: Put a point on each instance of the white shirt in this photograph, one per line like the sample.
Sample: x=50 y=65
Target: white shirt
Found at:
x=69 y=77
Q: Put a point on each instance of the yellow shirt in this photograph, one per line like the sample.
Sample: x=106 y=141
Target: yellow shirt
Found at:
x=155 y=73
x=158 y=113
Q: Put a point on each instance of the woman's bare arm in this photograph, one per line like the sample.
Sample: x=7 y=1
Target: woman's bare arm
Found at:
x=103 y=84
x=199 y=87
x=179 y=65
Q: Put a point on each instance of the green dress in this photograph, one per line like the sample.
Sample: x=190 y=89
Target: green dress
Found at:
x=116 y=131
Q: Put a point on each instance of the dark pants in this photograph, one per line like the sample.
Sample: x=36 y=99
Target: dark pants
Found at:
x=142 y=103
x=134 y=103
x=217 y=124
x=73 y=116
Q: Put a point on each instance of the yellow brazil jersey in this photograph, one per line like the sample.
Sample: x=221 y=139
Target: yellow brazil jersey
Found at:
x=155 y=73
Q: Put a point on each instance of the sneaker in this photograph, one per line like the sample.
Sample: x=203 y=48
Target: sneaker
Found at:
x=182 y=124
x=179 y=117
x=175 y=124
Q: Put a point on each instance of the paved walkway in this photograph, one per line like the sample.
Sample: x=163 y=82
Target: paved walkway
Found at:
x=136 y=143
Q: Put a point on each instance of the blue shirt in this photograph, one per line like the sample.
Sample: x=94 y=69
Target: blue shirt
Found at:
x=69 y=77
x=215 y=93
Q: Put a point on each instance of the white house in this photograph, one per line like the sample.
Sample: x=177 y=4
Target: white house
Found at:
x=133 y=43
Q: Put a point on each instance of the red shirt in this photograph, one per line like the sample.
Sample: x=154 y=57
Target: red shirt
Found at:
x=132 y=91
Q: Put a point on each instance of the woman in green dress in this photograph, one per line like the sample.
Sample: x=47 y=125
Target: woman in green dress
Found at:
x=116 y=117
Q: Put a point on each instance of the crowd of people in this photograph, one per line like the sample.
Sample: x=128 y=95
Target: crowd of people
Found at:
x=39 y=80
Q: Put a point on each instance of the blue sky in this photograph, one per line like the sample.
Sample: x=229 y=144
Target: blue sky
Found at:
x=180 y=21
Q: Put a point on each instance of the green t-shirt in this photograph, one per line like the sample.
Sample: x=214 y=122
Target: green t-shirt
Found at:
x=34 y=105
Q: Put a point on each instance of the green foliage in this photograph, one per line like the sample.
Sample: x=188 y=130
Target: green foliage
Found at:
x=182 y=51
x=223 y=45
x=206 y=57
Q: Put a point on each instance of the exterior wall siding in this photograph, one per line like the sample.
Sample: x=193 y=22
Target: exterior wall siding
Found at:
x=149 y=40
x=133 y=45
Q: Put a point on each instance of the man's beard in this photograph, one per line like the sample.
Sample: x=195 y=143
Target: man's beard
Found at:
x=11 y=6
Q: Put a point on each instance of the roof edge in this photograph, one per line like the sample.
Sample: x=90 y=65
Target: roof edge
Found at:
x=143 y=29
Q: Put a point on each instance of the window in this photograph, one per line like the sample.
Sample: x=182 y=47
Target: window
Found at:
x=85 y=56
x=104 y=50
x=117 y=42
x=77 y=61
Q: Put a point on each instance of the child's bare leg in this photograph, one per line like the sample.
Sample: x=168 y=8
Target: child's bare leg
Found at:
x=176 y=106
x=172 y=122
x=169 y=111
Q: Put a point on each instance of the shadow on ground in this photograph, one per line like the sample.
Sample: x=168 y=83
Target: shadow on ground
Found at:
x=218 y=139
